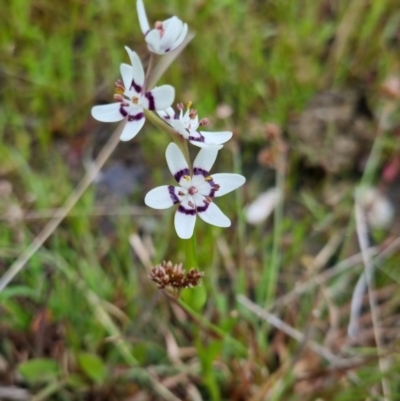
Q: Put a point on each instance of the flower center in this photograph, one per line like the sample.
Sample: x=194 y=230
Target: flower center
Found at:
x=193 y=190
x=135 y=100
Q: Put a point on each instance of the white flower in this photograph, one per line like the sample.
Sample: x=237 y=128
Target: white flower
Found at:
x=166 y=35
x=187 y=124
x=194 y=193
x=131 y=99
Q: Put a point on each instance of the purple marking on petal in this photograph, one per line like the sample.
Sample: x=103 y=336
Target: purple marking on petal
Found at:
x=179 y=174
x=135 y=86
x=202 y=208
x=172 y=194
x=166 y=51
x=200 y=171
x=147 y=32
x=193 y=138
x=135 y=117
x=123 y=112
x=188 y=212
x=150 y=98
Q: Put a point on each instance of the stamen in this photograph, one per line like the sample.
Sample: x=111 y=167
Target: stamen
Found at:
x=208 y=199
x=192 y=114
x=216 y=187
x=193 y=190
x=159 y=25
x=118 y=97
x=180 y=106
x=203 y=121
x=188 y=105
x=190 y=203
x=186 y=177
x=209 y=178
x=119 y=87
x=180 y=193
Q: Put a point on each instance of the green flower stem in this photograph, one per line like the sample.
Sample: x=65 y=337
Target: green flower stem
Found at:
x=180 y=141
x=190 y=252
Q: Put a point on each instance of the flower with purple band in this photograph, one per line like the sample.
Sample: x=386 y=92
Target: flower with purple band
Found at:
x=132 y=99
x=195 y=192
x=166 y=35
x=187 y=125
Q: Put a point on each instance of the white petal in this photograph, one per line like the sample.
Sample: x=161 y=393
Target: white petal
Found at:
x=212 y=214
x=181 y=37
x=227 y=182
x=216 y=138
x=144 y=23
x=205 y=145
x=185 y=218
x=172 y=30
x=137 y=70
x=107 y=113
x=178 y=127
x=176 y=162
x=205 y=160
x=127 y=75
x=159 y=98
x=163 y=197
x=167 y=114
x=153 y=41
x=131 y=129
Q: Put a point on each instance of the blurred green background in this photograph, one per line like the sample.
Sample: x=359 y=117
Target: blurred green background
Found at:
x=83 y=321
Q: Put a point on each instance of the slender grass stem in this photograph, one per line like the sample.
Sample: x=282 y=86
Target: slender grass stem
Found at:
x=275 y=260
x=60 y=214
x=212 y=327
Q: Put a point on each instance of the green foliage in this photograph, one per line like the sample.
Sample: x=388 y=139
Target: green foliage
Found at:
x=39 y=370
x=92 y=366
x=84 y=311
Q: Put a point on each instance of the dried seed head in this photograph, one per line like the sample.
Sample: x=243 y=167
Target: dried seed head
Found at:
x=166 y=274
x=272 y=131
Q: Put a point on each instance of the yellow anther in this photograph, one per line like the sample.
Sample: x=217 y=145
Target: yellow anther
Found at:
x=188 y=105
x=209 y=178
x=119 y=90
x=135 y=100
x=186 y=177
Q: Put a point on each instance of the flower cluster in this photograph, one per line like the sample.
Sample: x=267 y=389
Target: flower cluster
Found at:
x=167 y=274
x=134 y=100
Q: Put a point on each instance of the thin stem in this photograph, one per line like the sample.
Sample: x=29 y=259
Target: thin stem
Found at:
x=176 y=138
x=148 y=72
x=273 y=268
x=190 y=252
x=212 y=327
x=362 y=234
x=60 y=214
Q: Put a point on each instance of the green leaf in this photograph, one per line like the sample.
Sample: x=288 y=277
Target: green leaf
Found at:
x=195 y=297
x=39 y=370
x=92 y=366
